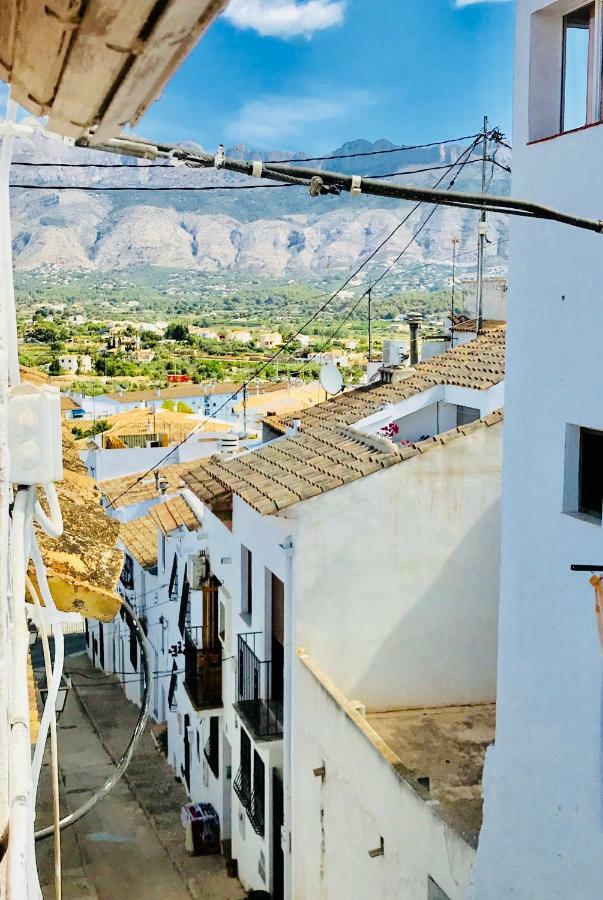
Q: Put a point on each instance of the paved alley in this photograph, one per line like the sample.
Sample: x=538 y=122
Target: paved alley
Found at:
x=132 y=843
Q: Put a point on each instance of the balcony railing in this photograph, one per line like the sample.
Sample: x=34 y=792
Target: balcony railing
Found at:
x=262 y=713
x=252 y=802
x=202 y=670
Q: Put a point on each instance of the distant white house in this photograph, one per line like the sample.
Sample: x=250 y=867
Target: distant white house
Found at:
x=85 y=364
x=69 y=363
x=270 y=341
x=240 y=337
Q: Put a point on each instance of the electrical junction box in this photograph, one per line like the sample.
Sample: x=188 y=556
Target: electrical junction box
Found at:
x=34 y=434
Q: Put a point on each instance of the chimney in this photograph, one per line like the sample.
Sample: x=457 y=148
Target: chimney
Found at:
x=156 y=474
x=414 y=323
x=163 y=485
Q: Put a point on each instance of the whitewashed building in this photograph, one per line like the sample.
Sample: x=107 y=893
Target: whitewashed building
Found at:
x=543 y=777
x=69 y=363
x=355 y=579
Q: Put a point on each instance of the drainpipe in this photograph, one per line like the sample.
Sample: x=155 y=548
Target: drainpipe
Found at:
x=287 y=546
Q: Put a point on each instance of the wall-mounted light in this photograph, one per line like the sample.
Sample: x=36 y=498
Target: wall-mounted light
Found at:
x=33 y=632
x=61 y=695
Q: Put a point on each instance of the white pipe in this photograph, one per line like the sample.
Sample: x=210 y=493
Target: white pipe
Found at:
x=287 y=546
x=53 y=524
x=33 y=873
x=7 y=289
x=54 y=683
x=19 y=752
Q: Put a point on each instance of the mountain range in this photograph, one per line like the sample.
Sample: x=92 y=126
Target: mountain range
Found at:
x=277 y=232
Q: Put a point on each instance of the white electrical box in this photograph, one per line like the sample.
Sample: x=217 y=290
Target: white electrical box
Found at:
x=34 y=434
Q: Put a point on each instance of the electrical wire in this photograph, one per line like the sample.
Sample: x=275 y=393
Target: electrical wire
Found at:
x=217 y=187
x=291 y=160
x=416 y=234
x=125 y=758
x=467 y=152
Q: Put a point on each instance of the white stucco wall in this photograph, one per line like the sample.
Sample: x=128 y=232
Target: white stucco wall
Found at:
x=543 y=780
x=336 y=821
x=396 y=578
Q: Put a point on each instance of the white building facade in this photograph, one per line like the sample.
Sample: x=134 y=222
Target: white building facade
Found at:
x=543 y=778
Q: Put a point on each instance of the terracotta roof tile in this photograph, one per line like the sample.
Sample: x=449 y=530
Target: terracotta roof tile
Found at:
x=128 y=489
x=173 y=514
x=139 y=537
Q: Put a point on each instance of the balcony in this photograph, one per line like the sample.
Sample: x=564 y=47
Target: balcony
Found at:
x=252 y=801
x=257 y=703
x=202 y=670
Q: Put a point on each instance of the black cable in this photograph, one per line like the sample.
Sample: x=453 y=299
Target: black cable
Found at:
x=218 y=187
x=276 y=161
x=126 y=756
x=467 y=153
x=315 y=315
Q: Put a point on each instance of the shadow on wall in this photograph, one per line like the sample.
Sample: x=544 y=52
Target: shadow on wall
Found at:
x=443 y=649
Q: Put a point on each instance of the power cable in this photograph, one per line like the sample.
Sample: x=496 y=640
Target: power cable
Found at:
x=217 y=187
x=279 y=161
x=287 y=343
x=125 y=758
x=399 y=256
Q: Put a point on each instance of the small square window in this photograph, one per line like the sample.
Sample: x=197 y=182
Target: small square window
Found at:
x=583 y=488
x=590 y=490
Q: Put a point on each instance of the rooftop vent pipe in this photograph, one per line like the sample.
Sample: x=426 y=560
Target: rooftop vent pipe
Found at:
x=414 y=323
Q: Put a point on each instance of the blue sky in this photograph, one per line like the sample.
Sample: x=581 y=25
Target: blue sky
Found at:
x=312 y=74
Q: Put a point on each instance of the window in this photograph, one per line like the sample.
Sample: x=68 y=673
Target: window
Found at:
x=185 y=612
x=246 y=582
x=583 y=488
x=173 y=588
x=256 y=811
x=127 y=573
x=212 y=746
x=590 y=490
x=578 y=68
x=133 y=646
x=565 y=67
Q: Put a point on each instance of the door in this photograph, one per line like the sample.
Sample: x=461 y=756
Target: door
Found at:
x=187 y=752
x=278 y=638
x=278 y=858
x=101 y=644
x=226 y=787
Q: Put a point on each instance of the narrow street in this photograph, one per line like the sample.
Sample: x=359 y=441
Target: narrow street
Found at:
x=132 y=843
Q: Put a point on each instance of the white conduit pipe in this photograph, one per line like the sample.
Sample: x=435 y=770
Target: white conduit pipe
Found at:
x=53 y=525
x=33 y=871
x=54 y=683
x=19 y=745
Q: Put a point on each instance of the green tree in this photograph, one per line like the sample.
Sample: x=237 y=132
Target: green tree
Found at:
x=54 y=367
x=177 y=331
x=183 y=407
x=168 y=404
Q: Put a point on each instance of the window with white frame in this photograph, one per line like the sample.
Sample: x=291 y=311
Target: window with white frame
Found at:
x=578 y=107
x=565 y=67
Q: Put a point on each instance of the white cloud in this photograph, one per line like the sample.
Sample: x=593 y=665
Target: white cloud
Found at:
x=272 y=120
x=285 y=18
x=460 y=3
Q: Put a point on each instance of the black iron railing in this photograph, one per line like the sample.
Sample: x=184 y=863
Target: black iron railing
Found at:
x=242 y=787
x=261 y=711
x=212 y=755
x=202 y=670
x=255 y=812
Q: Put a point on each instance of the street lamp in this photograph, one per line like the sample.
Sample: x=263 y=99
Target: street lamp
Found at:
x=61 y=695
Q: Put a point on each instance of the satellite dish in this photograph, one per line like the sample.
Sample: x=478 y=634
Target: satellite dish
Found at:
x=330 y=378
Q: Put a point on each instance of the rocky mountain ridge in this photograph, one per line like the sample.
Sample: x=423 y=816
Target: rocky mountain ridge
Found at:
x=275 y=232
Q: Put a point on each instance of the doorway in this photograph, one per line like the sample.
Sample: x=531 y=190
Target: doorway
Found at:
x=278 y=857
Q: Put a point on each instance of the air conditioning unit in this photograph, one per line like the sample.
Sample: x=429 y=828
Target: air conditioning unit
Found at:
x=198 y=570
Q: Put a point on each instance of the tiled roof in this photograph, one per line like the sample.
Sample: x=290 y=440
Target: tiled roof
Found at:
x=68 y=403
x=127 y=489
x=140 y=540
x=478 y=364
x=174 y=514
x=309 y=463
x=84 y=565
x=328 y=452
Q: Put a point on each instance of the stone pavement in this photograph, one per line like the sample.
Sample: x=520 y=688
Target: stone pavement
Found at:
x=132 y=843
